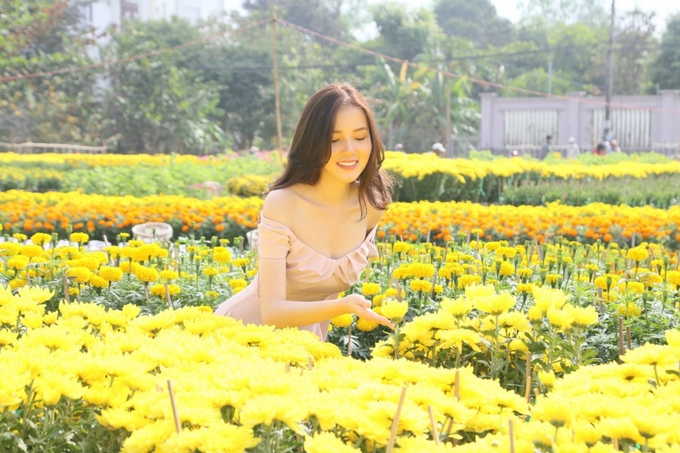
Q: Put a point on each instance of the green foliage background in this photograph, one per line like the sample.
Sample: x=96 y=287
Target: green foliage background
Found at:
x=216 y=91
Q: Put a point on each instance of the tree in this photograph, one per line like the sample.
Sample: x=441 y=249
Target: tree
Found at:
x=41 y=36
x=246 y=96
x=476 y=21
x=634 y=50
x=404 y=34
x=321 y=16
x=591 y=12
x=153 y=104
x=666 y=69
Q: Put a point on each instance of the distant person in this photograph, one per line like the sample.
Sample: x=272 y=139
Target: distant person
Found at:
x=615 y=146
x=600 y=150
x=547 y=146
x=573 y=149
x=438 y=149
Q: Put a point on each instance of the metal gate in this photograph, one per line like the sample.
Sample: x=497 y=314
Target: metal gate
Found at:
x=632 y=128
x=529 y=127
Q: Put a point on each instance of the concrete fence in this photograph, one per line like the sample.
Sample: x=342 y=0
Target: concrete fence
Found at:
x=638 y=123
x=36 y=148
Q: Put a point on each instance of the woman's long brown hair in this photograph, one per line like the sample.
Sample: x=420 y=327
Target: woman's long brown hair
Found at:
x=311 y=147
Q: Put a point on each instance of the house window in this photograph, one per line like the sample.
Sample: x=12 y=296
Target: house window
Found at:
x=190 y=10
x=128 y=9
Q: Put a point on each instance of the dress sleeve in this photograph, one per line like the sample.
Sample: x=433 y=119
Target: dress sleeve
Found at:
x=273 y=240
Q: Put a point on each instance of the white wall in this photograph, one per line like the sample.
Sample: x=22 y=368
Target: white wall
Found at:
x=108 y=12
x=577 y=119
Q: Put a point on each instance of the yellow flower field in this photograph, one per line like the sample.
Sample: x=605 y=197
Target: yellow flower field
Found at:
x=407 y=165
x=116 y=367
x=421 y=165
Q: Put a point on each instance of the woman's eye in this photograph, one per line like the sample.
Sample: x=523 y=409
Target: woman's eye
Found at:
x=360 y=138
x=335 y=140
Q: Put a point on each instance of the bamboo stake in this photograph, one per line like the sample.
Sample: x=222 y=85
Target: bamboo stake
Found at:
x=167 y=294
x=67 y=296
x=178 y=426
x=395 y=421
x=527 y=386
x=621 y=350
x=349 y=341
x=310 y=364
x=107 y=244
x=628 y=339
x=600 y=299
x=456 y=386
x=512 y=436
x=448 y=432
x=433 y=425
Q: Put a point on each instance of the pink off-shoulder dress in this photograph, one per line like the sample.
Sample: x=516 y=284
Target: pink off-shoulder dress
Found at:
x=310 y=276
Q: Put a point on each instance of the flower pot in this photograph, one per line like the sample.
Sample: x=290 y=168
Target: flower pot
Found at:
x=151 y=232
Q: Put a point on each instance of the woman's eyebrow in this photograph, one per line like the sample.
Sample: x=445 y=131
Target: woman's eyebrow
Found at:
x=355 y=130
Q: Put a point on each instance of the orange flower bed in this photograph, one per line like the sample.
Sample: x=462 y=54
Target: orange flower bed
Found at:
x=586 y=224
x=23 y=212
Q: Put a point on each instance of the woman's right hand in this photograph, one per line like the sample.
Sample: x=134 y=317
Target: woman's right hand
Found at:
x=361 y=307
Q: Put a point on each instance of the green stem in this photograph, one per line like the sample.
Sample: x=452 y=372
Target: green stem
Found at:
x=656 y=375
x=497 y=348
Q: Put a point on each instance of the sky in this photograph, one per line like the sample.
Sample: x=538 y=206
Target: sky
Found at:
x=508 y=8
x=664 y=8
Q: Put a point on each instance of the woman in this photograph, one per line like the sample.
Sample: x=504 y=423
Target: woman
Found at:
x=319 y=219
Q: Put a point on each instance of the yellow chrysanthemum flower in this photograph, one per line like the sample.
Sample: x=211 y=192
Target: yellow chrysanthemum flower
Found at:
x=79 y=274
x=98 y=282
x=146 y=274
x=110 y=273
x=80 y=238
x=495 y=304
x=365 y=325
x=394 y=310
x=638 y=253
x=341 y=321
x=421 y=285
x=41 y=238
x=370 y=289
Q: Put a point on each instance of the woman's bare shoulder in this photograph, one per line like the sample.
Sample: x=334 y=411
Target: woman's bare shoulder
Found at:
x=279 y=204
x=373 y=215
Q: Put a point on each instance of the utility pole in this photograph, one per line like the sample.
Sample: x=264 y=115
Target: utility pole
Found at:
x=279 y=135
x=609 y=77
x=449 y=141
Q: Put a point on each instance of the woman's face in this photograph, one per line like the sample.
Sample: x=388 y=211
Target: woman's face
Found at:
x=350 y=145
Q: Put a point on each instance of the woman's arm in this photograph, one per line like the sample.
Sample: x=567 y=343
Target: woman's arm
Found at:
x=274 y=307
x=279 y=312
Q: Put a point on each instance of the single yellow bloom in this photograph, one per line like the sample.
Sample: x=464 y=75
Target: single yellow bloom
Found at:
x=394 y=310
x=341 y=321
x=495 y=304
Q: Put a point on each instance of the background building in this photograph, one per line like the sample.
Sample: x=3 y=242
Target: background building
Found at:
x=104 y=13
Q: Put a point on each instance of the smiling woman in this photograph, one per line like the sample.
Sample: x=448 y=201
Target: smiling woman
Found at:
x=319 y=219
